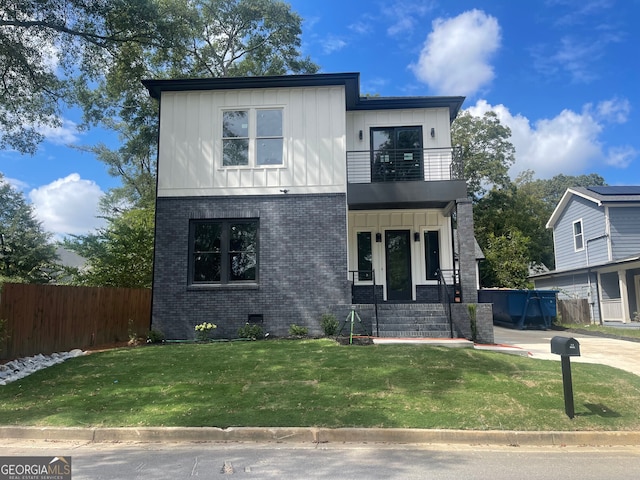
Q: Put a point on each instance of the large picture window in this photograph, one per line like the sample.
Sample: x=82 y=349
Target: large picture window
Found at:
x=223 y=251
x=252 y=137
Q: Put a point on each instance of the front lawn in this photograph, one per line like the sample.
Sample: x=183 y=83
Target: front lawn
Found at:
x=319 y=383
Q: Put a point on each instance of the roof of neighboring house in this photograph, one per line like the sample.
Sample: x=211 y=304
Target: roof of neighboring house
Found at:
x=615 y=195
x=583 y=269
x=351 y=82
x=67 y=258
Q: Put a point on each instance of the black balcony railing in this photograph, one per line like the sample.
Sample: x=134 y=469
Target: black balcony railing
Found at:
x=429 y=164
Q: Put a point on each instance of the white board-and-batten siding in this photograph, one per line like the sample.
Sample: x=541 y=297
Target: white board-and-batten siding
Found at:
x=314 y=144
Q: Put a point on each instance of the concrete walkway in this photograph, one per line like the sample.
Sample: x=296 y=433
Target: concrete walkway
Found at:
x=621 y=354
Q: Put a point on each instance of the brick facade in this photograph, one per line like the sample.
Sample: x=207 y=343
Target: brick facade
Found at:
x=302 y=262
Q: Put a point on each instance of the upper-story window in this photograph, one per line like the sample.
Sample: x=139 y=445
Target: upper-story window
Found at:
x=252 y=137
x=578 y=237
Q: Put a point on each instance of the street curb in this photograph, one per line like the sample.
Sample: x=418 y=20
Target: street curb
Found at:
x=320 y=435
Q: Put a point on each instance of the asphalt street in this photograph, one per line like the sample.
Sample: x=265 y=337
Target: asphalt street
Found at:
x=335 y=461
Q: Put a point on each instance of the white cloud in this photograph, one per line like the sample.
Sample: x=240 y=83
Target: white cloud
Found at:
x=615 y=110
x=65 y=134
x=68 y=206
x=405 y=15
x=567 y=143
x=333 y=44
x=455 y=59
x=621 y=157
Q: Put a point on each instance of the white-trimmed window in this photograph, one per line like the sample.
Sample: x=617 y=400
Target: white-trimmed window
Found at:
x=252 y=137
x=578 y=235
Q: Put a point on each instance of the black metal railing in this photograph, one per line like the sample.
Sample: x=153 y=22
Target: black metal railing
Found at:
x=386 y=165
x=367 y=276
x=447 y=293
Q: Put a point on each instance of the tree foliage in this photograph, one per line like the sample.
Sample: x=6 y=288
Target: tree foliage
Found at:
x=119 y=255
x=487 y=152
x=506 y=260
x=26 y=254
x=46 y=44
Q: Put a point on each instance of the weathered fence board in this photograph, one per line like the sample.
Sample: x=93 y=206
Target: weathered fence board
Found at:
x=574 y=310
x=54 y=318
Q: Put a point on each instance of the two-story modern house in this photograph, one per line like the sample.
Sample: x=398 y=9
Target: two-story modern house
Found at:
x=596 y=235
x=283 y=198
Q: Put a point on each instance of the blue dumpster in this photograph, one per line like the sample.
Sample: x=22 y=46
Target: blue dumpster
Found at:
x=521 y=308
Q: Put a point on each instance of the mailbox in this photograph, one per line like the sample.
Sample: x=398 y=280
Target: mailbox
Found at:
x=565 y=346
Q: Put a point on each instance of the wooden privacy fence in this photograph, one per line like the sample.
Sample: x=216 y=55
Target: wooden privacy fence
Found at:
x=55 y=318
x=574 y=310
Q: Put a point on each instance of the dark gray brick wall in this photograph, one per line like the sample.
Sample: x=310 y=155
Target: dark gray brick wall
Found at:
x=302 y=264
x=466 y=251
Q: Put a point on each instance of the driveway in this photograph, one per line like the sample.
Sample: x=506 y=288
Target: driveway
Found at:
x=620 y=354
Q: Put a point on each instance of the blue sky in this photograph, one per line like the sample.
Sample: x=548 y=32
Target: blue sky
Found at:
x=564 y=75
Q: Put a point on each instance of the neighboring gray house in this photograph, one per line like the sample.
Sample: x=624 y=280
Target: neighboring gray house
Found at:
x=282 y=198
x=596 y=236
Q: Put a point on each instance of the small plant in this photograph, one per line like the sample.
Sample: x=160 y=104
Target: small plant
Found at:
x=298 y=331
x=251 y=331
x=155 y=336
x=472 y=308
x=131 y=331
x=329 y=324
x=203 y=330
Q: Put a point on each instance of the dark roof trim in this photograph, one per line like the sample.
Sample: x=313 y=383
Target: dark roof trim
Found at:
x=584 y=269
x=351 y=82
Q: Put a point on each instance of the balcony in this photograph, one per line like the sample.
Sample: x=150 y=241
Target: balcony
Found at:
x=407 y=178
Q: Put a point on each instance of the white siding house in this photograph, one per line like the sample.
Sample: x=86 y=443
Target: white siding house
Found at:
x=284 y=198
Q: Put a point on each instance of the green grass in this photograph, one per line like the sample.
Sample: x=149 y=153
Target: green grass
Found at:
x=319 y=383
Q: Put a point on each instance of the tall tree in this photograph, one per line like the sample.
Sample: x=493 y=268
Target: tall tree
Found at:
x=26 y=253
x=45 y=44
x=487 y=152
x=201 y=38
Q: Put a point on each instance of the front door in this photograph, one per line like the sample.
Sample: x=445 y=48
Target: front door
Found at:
x=398 y=263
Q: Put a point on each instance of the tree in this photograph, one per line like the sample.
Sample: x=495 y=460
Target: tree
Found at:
x=487 y=152
x=45 y=44
x=550 y=191
x=119 y=255
x=201 y=38
x=26 y=254
x=506 y=261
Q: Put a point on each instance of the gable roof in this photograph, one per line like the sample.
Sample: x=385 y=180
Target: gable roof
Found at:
x=610 y=196
x=351 y=82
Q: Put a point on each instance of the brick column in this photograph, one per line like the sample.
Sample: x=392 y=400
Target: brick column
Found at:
x=466 y=251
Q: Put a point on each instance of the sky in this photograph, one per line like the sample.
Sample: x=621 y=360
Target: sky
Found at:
x=563 y=75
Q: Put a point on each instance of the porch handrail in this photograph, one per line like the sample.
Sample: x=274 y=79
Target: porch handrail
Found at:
x=372 y=278
x=444 y=295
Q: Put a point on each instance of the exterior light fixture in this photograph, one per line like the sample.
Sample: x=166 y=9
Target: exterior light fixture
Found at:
x=378 y=237
x=433 y=132
x=416 y=236
x=360 y=134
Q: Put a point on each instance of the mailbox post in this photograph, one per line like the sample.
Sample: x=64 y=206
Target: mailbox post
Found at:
x=566 y=347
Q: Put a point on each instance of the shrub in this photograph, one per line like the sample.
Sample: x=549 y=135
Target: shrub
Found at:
x=329 y=324
x=298 y=331
x=202 y=330
x=251 y=331
x=155 y=336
